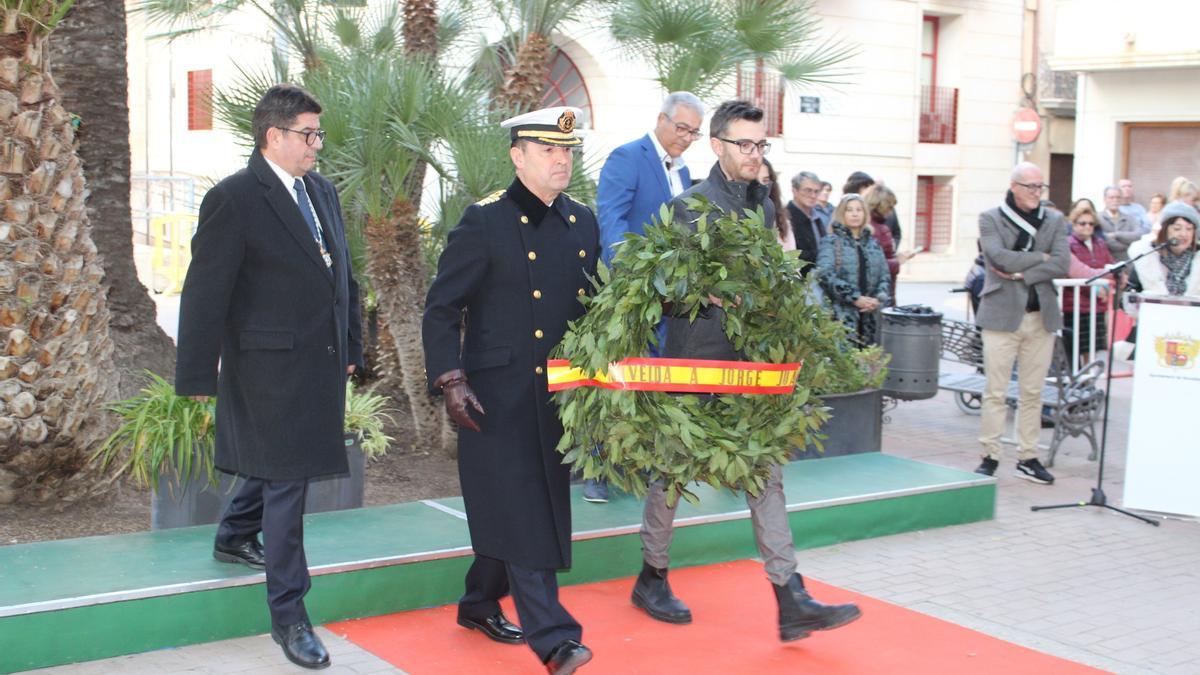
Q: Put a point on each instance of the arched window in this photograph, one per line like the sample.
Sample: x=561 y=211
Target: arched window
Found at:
x=565 y=86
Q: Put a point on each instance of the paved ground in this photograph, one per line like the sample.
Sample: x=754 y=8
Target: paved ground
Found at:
x=1086 y=584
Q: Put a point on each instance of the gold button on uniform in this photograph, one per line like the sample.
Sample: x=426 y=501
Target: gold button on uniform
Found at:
x=582 y=253
x=571 y=217
x=524 y=219
x=537 y=295
x=539 y=370
x=538 y=333
x=579 y=292
x=532 y=255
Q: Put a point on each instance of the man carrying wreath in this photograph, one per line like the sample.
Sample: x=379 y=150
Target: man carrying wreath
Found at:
x=737 y=137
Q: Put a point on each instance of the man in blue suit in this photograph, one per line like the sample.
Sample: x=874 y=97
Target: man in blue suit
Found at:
x=642 y=175
x=637 y=179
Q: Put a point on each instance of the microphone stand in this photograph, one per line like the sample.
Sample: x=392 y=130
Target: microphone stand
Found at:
x=1098 y=497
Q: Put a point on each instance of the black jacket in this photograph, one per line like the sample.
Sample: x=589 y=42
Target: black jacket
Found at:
x=705 y=337
x=512 y=271
x=806 y=242
x=259 y=299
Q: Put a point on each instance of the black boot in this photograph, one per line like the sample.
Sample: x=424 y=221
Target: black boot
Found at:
x=653 y=594
x=799 y=614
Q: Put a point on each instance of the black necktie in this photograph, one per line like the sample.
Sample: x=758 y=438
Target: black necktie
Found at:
x=306 y=211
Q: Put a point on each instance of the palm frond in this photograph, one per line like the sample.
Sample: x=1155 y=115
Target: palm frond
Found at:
x=688 y=42
x=234 y=105
x=457 y=19
x=188 y=14
x=827 y=62
x=344 y=24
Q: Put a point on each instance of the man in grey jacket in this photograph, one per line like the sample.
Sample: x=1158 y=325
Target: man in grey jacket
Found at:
x=738 y=138
x=1025 y=248
x=1120 y=228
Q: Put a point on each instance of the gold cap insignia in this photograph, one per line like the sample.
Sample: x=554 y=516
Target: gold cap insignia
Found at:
x=566 y=121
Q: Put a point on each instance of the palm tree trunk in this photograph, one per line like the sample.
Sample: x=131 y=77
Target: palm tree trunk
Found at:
x=396 y=267
x=56 y=353
x=525 y=79
x=420 y=31
x=88 y=51
x=420 y=28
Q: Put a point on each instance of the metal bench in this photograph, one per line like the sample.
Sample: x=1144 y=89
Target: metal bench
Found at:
x=1073 y=398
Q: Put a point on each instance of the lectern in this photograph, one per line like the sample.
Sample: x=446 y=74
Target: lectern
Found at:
x=1163 y=454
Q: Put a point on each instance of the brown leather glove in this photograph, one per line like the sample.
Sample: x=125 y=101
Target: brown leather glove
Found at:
x=458 y=397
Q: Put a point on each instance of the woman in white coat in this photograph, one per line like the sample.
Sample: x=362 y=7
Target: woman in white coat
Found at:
x=1173 y=270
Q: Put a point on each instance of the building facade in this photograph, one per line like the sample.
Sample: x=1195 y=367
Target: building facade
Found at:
x=926 y=108
x=1136 y=110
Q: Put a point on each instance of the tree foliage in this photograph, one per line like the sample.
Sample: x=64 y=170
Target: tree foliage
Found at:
x=698 y=45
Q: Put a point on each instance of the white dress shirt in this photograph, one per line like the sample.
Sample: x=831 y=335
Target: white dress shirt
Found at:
x=674 y=179
x=289 y=182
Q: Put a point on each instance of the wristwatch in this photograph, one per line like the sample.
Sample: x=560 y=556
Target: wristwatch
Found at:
x=1017 y=276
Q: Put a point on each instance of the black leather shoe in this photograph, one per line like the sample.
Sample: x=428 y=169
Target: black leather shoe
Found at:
x=496 y=627
x=567 y=657
x=248 y=553
x=301 y=645
x=653 y=593
x=799 y=614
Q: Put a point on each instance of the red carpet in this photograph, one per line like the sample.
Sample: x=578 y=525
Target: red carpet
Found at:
x=734 y=632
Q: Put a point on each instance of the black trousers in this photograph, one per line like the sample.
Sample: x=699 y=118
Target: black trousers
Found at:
x=275 y=508
x=544 y=620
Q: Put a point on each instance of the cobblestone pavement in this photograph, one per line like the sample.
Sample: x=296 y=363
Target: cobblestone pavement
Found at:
x=1087 y=584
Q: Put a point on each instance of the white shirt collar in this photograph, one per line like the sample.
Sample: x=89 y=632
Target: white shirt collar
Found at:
x=288 y=180
x=677 y=163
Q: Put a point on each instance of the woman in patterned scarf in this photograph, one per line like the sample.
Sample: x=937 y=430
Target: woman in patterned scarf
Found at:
x=1172 y=270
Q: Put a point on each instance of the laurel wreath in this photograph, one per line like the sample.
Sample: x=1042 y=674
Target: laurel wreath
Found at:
x=633 y=438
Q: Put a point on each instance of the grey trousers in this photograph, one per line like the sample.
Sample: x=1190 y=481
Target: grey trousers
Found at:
x=768 y=513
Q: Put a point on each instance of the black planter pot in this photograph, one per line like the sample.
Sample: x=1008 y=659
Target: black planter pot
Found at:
x=196 y=502
x=855 y=425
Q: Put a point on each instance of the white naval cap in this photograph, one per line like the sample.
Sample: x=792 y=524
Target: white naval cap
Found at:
x=548 y=126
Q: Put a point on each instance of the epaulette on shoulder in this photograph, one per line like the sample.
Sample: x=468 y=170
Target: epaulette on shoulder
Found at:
x=568 y=196
x=494 y=197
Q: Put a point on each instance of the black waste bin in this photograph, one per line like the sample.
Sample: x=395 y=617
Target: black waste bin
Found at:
x=912 y=334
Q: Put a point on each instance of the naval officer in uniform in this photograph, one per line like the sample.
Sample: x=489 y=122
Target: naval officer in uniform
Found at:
x=508 y=282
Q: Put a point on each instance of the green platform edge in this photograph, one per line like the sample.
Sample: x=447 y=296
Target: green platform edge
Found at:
x=37 y=640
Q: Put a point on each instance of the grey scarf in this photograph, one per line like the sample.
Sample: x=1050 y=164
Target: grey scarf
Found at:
x=1178 y=269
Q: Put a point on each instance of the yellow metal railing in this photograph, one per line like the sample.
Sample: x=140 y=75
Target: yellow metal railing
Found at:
x=172 y=237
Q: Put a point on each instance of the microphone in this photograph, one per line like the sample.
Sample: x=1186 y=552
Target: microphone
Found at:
x=1172 y=242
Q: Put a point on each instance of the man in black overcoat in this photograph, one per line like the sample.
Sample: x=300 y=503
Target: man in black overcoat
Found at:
x=508 y=282
x=269 y=323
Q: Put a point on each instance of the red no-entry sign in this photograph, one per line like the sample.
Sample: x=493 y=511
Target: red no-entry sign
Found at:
x=1027 y=125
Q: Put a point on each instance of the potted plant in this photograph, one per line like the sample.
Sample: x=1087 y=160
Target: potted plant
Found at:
x=167 y=442
x=850 y=389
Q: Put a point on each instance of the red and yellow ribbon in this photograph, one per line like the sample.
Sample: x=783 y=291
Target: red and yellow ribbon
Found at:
x=698 y=376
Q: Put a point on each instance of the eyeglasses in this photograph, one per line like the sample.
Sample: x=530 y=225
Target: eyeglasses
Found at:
x=1035 y=187
x=1085 y=222
x=747 y=146
x=310 y=137
x=809 y=191
x=684 y=131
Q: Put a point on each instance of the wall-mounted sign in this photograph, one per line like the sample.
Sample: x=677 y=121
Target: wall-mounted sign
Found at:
x=810 y=104
x=1026 y=126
